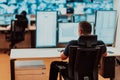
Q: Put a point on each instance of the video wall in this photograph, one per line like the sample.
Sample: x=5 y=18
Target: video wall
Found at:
x=62 y=6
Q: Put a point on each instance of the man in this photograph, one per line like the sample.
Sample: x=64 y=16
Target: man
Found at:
x=83 y=29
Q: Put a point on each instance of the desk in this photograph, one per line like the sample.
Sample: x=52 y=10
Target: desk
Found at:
x=30 y=54
x=108 y=63
x=19 y=54
x=112 y=51
x=4 y=28
x=30 y=28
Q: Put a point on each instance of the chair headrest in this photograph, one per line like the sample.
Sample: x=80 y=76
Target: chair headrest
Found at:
x=87 y=40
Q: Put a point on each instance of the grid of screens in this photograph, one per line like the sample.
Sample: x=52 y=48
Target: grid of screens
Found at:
x=69 y=31
x=63 y=6
x=106 y=25
x=46 y=29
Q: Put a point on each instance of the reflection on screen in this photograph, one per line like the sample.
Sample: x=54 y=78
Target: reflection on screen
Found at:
x=68 y=32
x=46 y=29
x=105 y=26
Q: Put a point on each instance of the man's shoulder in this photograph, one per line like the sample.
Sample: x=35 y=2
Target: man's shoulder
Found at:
x=100 y=42
x=73 y=42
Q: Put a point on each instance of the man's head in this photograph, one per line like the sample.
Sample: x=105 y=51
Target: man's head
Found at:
x=24 y=13
x=85 y=28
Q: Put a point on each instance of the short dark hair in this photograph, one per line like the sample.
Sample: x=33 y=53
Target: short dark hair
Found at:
x=24 y=13
x=86 y=27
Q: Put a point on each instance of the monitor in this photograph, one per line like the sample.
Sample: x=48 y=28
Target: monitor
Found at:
x=106 y=26
x=79 y=8
x=79 y=18
x=31 y=1
x=3 y=1
x=12 y=1
x=2 y=20
x=67 y=32
x=90 y=18
x=86 y=1
x=46 y=29
x=58 y=1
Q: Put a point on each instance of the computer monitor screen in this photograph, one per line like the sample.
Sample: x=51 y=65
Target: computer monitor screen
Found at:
x=58 y=1
x=90 y=18
x=2 y=20
x=79 y=18
x=67 y=32
x=3 y=1
x=46 y=29
x=83 y=1
x=106 y=25
x=12 y=1
x=79 y=8
x=31 y=1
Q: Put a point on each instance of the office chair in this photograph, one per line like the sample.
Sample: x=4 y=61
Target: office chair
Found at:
x=83 y=59
x=17 y=32
x=86 y=64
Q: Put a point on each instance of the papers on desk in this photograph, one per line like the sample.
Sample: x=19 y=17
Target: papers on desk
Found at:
x=112 y=51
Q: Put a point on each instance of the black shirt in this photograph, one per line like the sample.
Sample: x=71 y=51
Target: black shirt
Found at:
x=75 y=43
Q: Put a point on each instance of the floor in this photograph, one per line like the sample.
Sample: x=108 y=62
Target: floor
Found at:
x=5 y=68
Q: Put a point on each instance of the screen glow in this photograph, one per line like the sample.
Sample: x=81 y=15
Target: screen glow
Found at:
x=46 y=29
x=106 y=25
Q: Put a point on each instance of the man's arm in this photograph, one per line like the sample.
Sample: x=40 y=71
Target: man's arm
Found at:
x=63 y=57
x=101 y=60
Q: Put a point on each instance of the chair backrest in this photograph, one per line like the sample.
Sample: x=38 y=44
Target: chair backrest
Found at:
x=87 y=41
x=18 y=29
x=86 y=64
x=83 y=58
x=72 y=59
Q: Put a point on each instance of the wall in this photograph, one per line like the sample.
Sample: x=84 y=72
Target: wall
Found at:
x=117 y=7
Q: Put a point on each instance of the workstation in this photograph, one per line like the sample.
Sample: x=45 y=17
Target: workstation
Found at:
x=51 y=25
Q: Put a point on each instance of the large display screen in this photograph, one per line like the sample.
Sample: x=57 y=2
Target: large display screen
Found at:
x=46 y=29
x=79 y=18
x=106 y=25
x=67 y=32
x=91 y=18
x=62 y=6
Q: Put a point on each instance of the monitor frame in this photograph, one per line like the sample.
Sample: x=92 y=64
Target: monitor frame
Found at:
x=107 y=44
x=56 y=31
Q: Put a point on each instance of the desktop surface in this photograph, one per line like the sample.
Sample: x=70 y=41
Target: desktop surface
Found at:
x=50 y=53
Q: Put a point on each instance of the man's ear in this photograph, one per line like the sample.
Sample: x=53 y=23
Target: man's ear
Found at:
x=81 y=32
